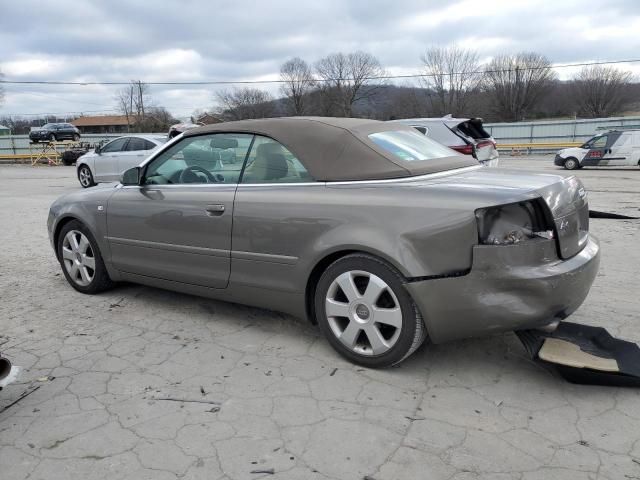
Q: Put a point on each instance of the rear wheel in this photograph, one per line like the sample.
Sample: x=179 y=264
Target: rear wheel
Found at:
x=365 y=312
x=76 y=137
x=85 y=176
x=81 y=260
x=571 y=163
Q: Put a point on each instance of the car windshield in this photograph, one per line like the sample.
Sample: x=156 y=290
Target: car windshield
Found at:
x=410 y=145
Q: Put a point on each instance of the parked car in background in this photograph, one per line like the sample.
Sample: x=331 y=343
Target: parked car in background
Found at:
x=107 y=162
x=464 y=135
x=178 y=128
x=377 y=233
x=615 y=148
x=51 y=132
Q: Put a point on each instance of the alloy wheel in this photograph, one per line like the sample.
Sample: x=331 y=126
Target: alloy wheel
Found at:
x=84 y=175
x=363 y=312
x=79 y=259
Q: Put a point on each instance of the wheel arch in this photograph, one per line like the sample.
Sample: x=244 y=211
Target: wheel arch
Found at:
x=323 y=263
x=58 y=228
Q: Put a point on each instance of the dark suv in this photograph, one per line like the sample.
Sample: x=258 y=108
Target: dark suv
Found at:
x=54 y=132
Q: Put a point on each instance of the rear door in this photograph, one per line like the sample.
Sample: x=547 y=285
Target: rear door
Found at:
x=106 y=163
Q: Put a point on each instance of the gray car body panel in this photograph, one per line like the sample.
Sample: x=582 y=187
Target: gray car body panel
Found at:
x=263 y=249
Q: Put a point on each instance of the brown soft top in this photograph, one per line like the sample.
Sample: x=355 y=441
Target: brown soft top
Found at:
x=338 y=149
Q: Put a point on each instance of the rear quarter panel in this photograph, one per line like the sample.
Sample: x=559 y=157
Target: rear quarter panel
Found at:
x=281 y=232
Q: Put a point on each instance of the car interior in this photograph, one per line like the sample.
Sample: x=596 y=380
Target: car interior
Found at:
x=219 y=160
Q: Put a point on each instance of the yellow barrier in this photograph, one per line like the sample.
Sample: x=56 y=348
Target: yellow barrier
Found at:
x=518 y=148
x=539 y=145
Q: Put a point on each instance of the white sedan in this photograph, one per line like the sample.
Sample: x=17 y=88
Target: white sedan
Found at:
x=106 y=163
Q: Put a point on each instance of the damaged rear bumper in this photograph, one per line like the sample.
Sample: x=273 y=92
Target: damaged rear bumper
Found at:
x=509 y=287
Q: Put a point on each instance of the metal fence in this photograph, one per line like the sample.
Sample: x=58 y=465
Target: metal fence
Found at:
x=556 y=131
x=12 y=145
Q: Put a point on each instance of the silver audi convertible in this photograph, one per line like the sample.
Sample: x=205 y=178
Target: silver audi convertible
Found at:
x=372 y=231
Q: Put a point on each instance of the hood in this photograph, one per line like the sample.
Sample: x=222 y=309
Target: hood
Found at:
x=571 y=152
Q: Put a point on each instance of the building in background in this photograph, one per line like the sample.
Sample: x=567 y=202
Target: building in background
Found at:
x=103 y=124
x=4 y=130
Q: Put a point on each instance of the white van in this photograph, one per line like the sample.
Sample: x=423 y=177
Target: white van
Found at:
x=613 y=148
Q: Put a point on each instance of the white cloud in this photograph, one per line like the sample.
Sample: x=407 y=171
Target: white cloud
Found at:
x=198 y=40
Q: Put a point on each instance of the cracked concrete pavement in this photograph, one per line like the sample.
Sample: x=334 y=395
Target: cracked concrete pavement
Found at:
x=140 y=383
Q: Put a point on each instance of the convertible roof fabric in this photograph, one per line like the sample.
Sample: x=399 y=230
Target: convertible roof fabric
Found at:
x=338 y=149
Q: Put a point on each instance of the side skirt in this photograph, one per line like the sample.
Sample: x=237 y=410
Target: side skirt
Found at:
x=286 y=302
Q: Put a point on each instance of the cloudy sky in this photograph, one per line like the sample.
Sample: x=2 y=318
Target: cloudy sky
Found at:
x=189 y=40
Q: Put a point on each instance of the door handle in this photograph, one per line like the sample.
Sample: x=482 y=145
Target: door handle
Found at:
x=215 y=210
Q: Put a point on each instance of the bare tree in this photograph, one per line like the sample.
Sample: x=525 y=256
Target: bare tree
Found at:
x=347 y=79
x=133 y=101
x=453 y=75
x=298 y=81
x=158 y=119
x=517 y=82
x=599 y=89
x=242 y=103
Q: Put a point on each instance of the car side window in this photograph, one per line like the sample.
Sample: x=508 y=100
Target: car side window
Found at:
x=115 y=146
x=213 y=158
x=271 y=162
x=135 y=144
x=148 y=145
x=599 y=142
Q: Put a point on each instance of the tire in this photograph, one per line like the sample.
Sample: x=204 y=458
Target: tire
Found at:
x=85 y=177
x=76 y=137
x=51 y=138
x=81 y=260
x=68 y=158
x=376 y=306
x=571 y=163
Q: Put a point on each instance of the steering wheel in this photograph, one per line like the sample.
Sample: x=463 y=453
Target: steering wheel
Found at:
x=191 y=171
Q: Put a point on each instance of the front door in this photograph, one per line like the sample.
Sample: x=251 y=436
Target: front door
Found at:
x=106 y=163
x=176 y=225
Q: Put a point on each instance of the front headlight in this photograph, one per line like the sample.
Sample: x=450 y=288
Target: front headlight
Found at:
x=513 y=223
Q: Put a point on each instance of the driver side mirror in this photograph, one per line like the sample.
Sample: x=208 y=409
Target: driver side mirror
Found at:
x=98 y=149
x=131 y=176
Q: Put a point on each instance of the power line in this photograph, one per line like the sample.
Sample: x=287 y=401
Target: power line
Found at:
x=254 y=82
x=54 y=113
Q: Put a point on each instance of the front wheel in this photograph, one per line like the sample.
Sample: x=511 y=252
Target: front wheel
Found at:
x=571 y=163
x=85 y=177
x=366 y=313
x=81 y=260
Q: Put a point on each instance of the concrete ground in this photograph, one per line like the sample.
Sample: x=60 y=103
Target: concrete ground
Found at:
x=140 y=383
